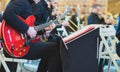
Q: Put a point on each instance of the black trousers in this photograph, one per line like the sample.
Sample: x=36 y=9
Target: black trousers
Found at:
x=48 y=51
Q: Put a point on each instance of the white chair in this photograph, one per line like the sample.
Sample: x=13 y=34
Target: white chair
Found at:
x=63 y=30
x=4 y=59
x=107 y=47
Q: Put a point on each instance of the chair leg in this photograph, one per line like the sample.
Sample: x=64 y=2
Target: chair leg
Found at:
x=5 y=66
x=19 y=69
x=109 y=64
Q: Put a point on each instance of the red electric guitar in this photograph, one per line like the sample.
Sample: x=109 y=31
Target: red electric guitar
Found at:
x=14 y=41
x=18 y=44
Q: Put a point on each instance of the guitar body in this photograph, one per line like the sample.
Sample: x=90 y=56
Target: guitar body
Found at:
x=14 y=41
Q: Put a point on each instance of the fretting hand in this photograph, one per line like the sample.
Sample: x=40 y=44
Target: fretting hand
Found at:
x=65 y=23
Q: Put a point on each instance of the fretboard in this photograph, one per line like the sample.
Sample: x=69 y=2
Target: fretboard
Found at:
x=56 y=21
x=42 y=26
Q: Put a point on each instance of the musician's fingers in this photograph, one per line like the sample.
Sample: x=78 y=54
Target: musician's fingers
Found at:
x=53 y=26
x=50 y=27
x=65 y=23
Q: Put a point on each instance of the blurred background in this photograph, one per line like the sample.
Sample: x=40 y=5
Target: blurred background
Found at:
x=83 y=7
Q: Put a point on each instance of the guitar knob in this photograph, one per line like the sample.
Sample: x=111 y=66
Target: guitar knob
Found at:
x=16 y=49
x=20 y=53
x=20 y=46
x=24 y=50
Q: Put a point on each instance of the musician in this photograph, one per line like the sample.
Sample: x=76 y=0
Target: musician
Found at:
x=42 y=12
x=96 y=17
x=74 y=20
x=45 y=11
x=46 y=50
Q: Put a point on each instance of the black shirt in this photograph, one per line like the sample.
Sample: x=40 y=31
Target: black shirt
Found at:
x=94 y=19
x=22 y=8
x=42 y=12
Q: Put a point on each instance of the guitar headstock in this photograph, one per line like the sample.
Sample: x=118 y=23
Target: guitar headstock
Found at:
x=59 y=18
x=67 y=11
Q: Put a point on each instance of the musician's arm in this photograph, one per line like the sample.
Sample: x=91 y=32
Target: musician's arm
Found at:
x=10 y=16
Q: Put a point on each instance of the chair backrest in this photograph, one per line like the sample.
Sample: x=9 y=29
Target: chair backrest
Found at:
x=107 y=30
x=108 y=46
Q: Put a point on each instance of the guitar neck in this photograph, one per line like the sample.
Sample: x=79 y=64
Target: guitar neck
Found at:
x=56 y=21
x=42 y=26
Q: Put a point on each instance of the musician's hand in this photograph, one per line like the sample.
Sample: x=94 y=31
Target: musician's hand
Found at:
x=100 y=15
x=31 y=32
x=65 y=23
x=53 y=26
x=47 y=34
x=109 y=21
